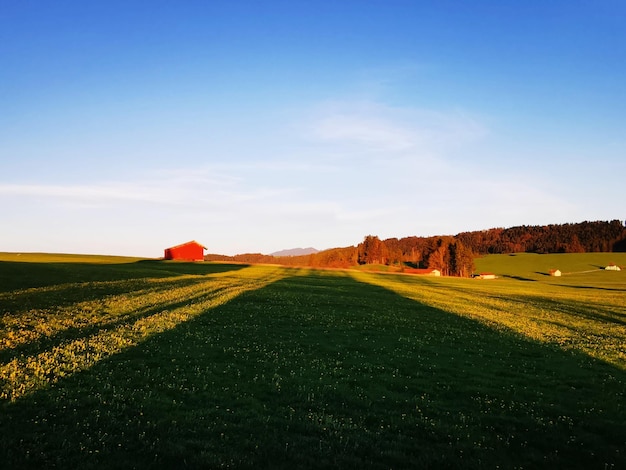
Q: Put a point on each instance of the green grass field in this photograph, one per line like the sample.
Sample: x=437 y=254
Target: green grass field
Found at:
x=110 y=362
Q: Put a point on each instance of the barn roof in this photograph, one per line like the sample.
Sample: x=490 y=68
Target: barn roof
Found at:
x=192 y=242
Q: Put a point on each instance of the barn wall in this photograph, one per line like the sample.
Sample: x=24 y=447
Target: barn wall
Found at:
x=191 y=252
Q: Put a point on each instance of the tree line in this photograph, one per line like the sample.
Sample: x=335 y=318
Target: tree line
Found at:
x=583 y=237
x=453 y=255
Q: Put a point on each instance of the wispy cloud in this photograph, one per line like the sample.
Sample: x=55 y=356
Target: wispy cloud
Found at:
x=183 y=186
x=369 y=131
x=375 y=127
x=98 y=192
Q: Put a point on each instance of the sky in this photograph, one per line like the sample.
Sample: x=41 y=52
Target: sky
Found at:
x=255 y=126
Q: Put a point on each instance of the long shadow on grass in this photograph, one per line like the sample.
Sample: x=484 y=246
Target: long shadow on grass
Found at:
x=519 y=278
x=65 y=295
x=46 y=343
x=322 y=371
x=23 y=275
x=616 y=289
x=573 y=309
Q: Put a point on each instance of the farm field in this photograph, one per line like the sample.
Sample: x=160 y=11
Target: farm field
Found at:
x=109 y=362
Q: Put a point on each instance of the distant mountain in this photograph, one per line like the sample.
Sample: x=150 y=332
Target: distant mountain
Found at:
x=295 y=252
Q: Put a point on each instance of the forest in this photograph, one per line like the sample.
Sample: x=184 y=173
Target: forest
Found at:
x=454 y=255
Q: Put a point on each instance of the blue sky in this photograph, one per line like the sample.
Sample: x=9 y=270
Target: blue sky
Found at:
x=130 y=126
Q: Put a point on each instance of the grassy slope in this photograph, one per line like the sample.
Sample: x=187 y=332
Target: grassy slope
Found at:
x=216 y=365
x=537 y=267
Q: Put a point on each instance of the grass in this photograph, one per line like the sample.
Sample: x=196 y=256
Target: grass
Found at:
x=149 y=364
x=576 y=267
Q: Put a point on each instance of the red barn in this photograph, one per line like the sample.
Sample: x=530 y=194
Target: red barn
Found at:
x=190 y=251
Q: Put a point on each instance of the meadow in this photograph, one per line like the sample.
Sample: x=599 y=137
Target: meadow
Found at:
x=109 y=362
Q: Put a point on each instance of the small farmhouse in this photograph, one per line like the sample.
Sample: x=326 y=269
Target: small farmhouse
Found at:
x=555 y=272
x=423 y=272
x=190 y=251
x=486 y=276
x=613 y=267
